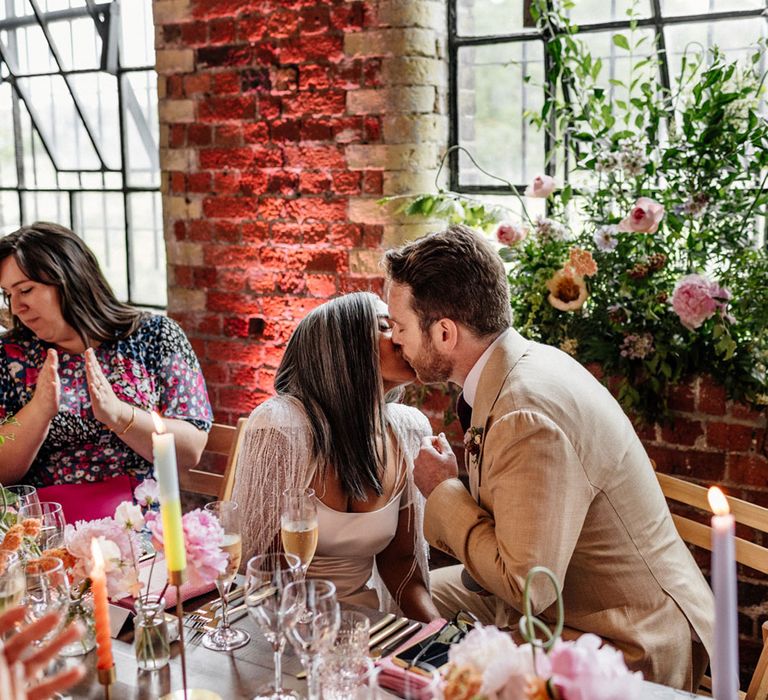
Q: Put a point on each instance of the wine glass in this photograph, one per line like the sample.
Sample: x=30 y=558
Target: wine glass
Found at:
x=298 y=524
x=267 y=576
x=51 y=517
x=311 y=620
x=226 y=638
x=25 y=495
x=47 y=591
x=12 y=580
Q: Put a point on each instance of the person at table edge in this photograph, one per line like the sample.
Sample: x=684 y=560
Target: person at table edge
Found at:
x=559 y=477
x=80 y=371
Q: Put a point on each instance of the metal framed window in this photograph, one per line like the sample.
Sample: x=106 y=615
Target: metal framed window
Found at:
x=492 y=44
x=79 y=132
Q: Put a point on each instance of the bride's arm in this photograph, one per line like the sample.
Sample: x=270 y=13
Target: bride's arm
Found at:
x=401 y=573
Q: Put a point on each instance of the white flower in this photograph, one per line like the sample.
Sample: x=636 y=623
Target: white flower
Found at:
x=129 y=516
x=110 y=552
x=147 y=493
x=606 y=239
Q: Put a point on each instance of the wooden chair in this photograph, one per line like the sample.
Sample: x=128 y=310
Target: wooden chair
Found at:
x=747 y=553
x=223 y=447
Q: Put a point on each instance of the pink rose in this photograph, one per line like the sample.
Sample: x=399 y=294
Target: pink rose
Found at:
x=509 y=233
x=644 y=217
x=695 y=299
x=541 y=187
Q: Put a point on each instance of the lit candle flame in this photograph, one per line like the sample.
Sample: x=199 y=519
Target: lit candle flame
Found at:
x=158 y=421
x=717 y=501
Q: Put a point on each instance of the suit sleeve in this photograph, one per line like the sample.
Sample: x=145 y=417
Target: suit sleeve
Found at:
x=537 y=496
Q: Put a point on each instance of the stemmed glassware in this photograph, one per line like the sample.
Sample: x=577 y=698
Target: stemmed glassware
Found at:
x=267 y=577
x=47 y=591
x=298 y=524
x=226 y=638
x=310 y=620
x=52 y=523
x=12 y=580
x=25 y=495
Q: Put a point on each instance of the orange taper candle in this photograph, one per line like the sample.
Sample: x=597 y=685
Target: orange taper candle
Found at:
x=101 y=609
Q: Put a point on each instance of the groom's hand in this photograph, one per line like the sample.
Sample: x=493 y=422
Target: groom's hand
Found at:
x=434 y=464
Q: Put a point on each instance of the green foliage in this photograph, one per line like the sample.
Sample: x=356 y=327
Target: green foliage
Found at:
x=701 y=151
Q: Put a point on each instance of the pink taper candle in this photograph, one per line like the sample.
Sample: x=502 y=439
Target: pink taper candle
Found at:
x=101 y=609
x=725 y=659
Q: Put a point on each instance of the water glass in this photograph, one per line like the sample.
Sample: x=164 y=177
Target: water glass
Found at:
x=341 y=678
x=354 y=634
x=25 y=495
x=12 y=580
x=310 y=620
x=47 y=591
x=52 y=523
x=150 y=633
x=267 y=577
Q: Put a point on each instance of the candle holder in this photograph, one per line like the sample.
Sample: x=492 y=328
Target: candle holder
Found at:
x=106 y=678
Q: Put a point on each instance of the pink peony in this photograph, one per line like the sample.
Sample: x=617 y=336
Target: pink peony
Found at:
x=541 y=187
x=119 y=547
x=695 y=299
x=509 y=233
x=644 y=217
x=584 y=670
x=203 y=536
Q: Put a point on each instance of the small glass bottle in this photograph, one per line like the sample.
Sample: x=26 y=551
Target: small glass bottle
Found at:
x=150 y=636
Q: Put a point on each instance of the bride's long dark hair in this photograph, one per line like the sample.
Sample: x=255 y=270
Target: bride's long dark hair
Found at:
x=52 y=254
x=331 y=365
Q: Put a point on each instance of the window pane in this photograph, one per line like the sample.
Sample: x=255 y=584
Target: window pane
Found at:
x=138 y=45
x=7 y=146
x=483 y=17
x=595 y=11
x=46 y=206
x=100 y=222
x=9 y=212
x=493 y=99
x=697 y=7
x=97 y=94
x=147 y=248
x=142 y=130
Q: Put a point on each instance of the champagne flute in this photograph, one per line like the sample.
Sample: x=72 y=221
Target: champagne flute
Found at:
x=12 y=580
x=52 y=523
x=298 y=524
x=311 y=620
x=226 y=638
x=267 y=576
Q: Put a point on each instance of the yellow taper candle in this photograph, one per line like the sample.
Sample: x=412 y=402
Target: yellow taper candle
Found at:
x=164 y=452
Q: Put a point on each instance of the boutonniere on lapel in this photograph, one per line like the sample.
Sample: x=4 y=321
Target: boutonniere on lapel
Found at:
x=473 y=442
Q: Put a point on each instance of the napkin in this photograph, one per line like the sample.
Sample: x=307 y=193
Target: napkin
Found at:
x=157 y=583
x=398 y=679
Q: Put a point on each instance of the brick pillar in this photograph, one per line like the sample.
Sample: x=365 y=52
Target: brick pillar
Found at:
x=281 y=126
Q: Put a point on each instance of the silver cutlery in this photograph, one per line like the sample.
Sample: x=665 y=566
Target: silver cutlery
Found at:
x=395 y=641
x=387 y=631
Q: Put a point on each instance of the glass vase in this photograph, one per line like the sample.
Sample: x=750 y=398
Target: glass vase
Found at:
x=150 y=636
x=81 y=609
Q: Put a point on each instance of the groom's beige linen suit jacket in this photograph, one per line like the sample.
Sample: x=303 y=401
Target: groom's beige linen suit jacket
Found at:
x=563 y=481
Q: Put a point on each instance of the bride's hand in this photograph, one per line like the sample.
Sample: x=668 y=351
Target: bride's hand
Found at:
x=107 y=408
x=48 y=388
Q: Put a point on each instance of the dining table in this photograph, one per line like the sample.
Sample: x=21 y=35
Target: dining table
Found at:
x=241 y=673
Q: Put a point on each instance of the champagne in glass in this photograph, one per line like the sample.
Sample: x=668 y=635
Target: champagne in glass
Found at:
x=298 y=524
x=226 y=638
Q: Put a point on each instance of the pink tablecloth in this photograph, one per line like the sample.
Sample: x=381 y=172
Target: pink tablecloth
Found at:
x=89 y=500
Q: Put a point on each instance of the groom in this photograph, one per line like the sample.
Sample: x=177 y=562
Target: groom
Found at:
x=557 y=475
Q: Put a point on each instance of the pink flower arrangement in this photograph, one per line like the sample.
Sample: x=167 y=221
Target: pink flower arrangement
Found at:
x=645 y=217
x=541 y=187
x=487 y=664
x=696 y=298
x=119 y=546
x=508 y=233
x=147 y=493
x=203 y=536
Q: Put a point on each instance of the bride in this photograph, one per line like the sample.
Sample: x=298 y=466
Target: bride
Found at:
x=330 y=428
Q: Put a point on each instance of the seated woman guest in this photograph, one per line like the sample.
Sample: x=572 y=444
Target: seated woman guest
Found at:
x=330 y=429
x=80 y=372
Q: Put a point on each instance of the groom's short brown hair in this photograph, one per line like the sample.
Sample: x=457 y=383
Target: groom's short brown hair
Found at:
x=454 y=274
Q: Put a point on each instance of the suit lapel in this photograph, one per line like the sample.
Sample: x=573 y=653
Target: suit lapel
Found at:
x=500 y=364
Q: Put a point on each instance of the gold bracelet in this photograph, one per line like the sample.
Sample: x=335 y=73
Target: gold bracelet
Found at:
x=130 y=422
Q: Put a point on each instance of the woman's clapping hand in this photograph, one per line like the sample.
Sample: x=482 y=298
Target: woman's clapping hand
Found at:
x=107 y=408
x=21 y=679
x=48 y=389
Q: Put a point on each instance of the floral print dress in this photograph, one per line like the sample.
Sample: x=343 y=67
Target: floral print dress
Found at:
x=155 y=368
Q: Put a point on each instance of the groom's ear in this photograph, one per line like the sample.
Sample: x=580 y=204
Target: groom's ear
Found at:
x=445 y=335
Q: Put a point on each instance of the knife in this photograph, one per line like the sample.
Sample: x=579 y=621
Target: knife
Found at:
x=387 y=631
x=396 y=641
x=383 y=622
